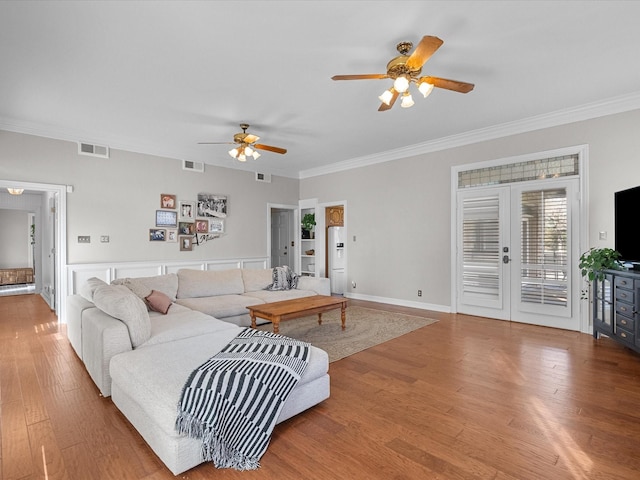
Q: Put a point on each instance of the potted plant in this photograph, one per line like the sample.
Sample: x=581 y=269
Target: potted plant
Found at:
x=594 y=261
x=308 y=222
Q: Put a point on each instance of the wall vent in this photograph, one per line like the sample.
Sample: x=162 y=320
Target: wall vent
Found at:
x=192 y=166
x=263 y=177
x=92 y=150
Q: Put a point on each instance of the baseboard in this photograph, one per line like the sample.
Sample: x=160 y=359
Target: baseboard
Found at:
x=400 y=302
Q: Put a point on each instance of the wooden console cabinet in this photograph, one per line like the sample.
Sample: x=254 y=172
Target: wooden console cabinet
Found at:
x=616 y=307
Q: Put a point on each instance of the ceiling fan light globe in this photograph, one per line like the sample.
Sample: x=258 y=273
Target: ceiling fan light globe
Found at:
x=425 y=89
x=256 y=154
x=401 y=84
x=248 y=151
x=233 y=152
x=407 y=101
x=386 y=97
x=242 y=158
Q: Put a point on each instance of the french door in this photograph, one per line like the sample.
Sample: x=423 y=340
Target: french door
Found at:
x=516 y=246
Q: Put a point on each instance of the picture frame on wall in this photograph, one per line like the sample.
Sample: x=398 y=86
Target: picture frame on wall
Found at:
x=172 y=235
x=202 y=226
x=167 y=201
x=186 y=243
x=212 y=205
x=186 y=228
x=157 y=234
x=187 y=211
x=216 y=225
x=166 y=218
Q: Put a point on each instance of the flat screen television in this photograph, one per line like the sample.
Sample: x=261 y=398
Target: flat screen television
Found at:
x=627 y=209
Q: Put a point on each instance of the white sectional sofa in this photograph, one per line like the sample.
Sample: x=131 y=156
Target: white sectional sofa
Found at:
x=142 y=358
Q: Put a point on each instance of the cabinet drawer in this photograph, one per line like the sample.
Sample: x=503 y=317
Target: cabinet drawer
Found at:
x=623 y=282
x=625 y=308
x=625 y=322
x=625 y=295
x=625 y=335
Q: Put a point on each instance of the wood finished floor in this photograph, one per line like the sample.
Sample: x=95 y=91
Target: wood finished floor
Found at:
x=465 y=398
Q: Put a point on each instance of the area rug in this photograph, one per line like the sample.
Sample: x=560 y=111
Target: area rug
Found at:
x=365 y=328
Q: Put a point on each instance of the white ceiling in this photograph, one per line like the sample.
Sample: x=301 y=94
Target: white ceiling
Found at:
x=159 y=77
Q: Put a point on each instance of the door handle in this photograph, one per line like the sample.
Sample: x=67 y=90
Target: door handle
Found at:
x=506 y=259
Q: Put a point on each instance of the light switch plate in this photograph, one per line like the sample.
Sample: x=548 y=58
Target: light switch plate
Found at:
x=84 y=239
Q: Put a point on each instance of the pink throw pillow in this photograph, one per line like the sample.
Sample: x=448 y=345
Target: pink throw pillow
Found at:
x=158 y=302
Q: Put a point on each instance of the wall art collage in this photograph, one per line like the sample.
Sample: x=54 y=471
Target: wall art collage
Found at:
x=189 y=223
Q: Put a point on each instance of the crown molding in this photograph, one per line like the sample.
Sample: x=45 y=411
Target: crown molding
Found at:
x=611 y=106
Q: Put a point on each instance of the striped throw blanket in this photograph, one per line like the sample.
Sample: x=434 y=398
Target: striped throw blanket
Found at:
x=233 y=400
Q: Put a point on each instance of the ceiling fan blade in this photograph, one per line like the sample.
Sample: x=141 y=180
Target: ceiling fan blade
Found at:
x=250 y=138
x=369 y=76
x=270 y=148
x=384 y=107
x=423 y=51
x=455 y=85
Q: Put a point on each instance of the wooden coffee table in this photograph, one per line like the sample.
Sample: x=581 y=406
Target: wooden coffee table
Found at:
x=299 y=307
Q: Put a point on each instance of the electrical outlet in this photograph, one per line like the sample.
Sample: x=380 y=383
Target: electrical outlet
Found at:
x=104 y=238
x=84 y=239
x=419 y=293
x=353 y=284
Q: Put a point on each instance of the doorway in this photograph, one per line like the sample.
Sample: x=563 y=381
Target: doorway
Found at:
x=50 y=240
x=517 y=248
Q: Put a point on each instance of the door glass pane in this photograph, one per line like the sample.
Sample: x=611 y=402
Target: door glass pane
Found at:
x=544 y=278
x=481 y=247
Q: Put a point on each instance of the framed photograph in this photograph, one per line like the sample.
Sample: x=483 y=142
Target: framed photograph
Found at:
x=186 y=243
x=157 y=234
x=212 y=205
x=202 y=226
x=167 y=201
x=166 y=218
x=187 y=211
x=172 y=235
x=216 y=225
x=186 y=228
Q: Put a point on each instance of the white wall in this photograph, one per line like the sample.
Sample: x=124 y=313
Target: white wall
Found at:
x=14 y=239
x=400 y=211
x=118 y=197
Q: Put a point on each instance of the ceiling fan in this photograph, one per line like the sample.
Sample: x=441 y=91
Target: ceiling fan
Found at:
x=247 y=146
x=405 y=69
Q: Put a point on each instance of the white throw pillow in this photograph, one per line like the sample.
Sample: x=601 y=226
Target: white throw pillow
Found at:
x=89 y=287
x=121 y=303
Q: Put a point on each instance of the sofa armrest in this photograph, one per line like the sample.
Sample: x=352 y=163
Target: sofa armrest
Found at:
x=102 y=337
x=320 y=285
x=76 y=305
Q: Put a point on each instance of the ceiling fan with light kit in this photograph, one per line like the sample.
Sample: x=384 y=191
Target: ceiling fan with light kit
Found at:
x=406 y=69
x=246 y=145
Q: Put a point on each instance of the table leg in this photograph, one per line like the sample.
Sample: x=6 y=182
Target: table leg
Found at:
x=320 y=318
x=253 y=320
x=343 y=315
x=276 y=325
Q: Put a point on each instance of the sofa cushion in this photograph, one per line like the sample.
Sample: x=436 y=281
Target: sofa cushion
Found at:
x=267 y=296
x=180 y=323
x=220 y=306
x=158 y=302
x=119 y=302
x=88 y=288
x=142 y=286
x=209 y=283
x=256 y=279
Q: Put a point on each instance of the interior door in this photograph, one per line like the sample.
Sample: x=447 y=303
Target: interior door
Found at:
x=281 y=251
x=515 y=248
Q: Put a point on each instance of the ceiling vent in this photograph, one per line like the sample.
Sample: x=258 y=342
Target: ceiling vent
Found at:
x=93 y=150
x=263 y=177
x=193 y=166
